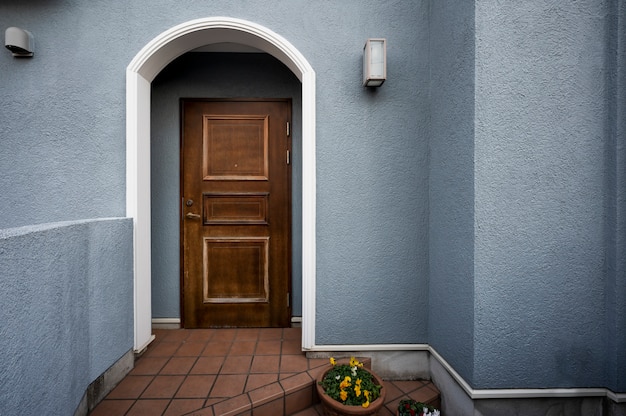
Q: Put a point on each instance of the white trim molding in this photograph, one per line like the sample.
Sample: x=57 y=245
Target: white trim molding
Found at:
x=368 y=347
x=166 y=323
x=477 y=394
x=140 y=73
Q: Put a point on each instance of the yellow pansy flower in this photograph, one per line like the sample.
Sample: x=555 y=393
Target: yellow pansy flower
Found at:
x=345 y=383
x=333 y=361
x=343 y=395
x=367 y=397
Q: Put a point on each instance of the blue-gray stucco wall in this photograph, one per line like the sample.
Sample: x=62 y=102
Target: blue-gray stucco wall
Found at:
x=210 y=75
x=372 y=169
x=616 y=224
x=543 y=158
x=475 y=201
x=451 y=184
x=66 y=311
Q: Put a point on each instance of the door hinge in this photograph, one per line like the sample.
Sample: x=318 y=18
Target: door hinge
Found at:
x=288 y=129
x=288 y=157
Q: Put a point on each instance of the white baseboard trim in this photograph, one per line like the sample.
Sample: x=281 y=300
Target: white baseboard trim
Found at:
x=369 y=347
x=477 y=394
x=166 y=323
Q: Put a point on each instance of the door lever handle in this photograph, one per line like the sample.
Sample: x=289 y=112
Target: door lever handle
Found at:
x=192 y=216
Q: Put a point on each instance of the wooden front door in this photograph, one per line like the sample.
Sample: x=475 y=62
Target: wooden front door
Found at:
x=236 y=213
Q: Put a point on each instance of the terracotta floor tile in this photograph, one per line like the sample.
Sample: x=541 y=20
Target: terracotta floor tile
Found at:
x=296 y=382
x=206 y=411
x=217 y=348
x=229 y=385
x=207 y=365
x=201 y=335
x=190 y=349
x=242 y=348
x=162 y=349
x=405 y=386
x=179 y=407
x=224 y=335
x=385 y=411
x=293 y=364
x=299 y=400
x=196 y=386
x=266 y=394
x=292 y=334
x=392 y=391
x=311 y=411
x=247 y=334
x=148 y=407
x=268 y=347
x=265 y=364
x=178 y=365
x=424 y=395
x=291 y=347
x=259 y=380
x=176 y=335
x=149 y=365
x=317 y=362
x=271 y=334
x=273 y=408
x=236 y=364
x=238 y=405
x=163 y=387
x=205 y=373
x=112 y=408
x=130 y=387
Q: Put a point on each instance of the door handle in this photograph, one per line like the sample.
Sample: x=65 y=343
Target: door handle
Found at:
x=192 y=216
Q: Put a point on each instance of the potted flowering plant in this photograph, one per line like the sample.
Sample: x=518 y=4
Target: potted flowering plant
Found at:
x=408 y=407
x=350 y=389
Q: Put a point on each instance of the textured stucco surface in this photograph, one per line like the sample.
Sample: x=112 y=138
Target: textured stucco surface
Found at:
x=66 y=311
x=209 y=75
x=451 y=184
x=475 y=201
x=540 y=154
x=372 y=191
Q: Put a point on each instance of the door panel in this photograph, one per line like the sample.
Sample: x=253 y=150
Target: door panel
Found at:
x=236 y=222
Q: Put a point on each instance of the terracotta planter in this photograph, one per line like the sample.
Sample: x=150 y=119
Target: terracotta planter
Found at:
x=335 y=408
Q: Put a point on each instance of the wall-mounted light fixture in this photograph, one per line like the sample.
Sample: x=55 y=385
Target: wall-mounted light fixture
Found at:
x=19 y=41
x=374 y=62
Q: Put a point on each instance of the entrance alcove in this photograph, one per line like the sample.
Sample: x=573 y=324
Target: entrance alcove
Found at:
x=143 y=69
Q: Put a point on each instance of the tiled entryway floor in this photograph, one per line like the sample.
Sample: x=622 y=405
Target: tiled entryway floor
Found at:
x=223 y=372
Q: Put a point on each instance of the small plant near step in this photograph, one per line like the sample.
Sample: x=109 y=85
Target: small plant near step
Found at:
x=408 y=407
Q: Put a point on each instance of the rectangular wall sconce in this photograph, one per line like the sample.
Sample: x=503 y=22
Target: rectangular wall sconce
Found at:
x=374 y=62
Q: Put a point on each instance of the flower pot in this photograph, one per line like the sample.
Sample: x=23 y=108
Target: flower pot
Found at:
x=334 y=408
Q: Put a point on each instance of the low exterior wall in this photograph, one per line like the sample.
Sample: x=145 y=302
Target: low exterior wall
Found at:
x=67 y=310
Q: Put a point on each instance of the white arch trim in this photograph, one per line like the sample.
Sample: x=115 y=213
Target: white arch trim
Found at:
x=139 y=75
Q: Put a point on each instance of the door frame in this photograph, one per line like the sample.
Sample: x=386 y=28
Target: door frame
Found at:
x=140 y=73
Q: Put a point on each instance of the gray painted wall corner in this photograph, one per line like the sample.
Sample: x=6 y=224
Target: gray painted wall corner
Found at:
x=451 y=183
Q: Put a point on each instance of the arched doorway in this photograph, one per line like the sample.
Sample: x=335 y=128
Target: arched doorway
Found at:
x=139 y=74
